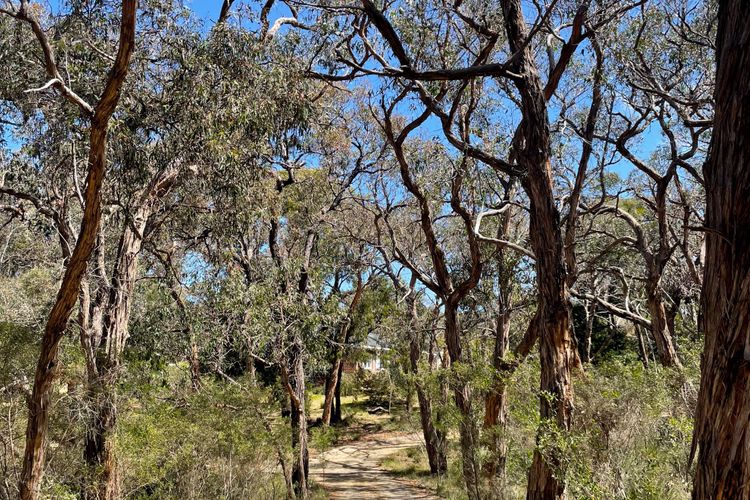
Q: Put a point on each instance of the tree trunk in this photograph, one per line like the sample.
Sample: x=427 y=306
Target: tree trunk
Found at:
x=331 y=411
x=496 y=403
x=660 y=328
x=721 y=435
x=336 y=418
x=39 y=402
x=531 y=147
x=98 y=444
x=552 y=318
x=468 y=431
x=99 y=448
x=672 y=312
x=590 y=315
x=295 y=383
x=195 y=367
x=332 y=381
x=434 y=439
x=642 y=347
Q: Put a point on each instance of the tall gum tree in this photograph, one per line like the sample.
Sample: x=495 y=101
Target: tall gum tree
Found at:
x=451 y=289
x=721 y=438
x=99 y=116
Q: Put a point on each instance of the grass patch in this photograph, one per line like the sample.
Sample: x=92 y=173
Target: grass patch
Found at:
x=357 y=421
x=411 y=464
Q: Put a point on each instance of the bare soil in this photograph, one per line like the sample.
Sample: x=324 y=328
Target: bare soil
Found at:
x=353 y=471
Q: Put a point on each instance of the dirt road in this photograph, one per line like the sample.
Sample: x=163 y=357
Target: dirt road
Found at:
x=352 y=471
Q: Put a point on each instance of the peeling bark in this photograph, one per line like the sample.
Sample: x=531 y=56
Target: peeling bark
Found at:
x=721 y=436
x=531 y=147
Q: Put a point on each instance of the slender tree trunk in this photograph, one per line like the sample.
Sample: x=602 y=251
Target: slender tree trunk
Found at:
x=295 y=383
x=468 y=431
x=39 y=402
x=332 y=381
x=99 y=447
x=496 y=403
x=590 y=315
x=552 y=320
x=433 y=438
x=495 y=408
x=722 y=434
x=195 y=367
x=642 y=347
x=250 y=363
x=659 y=326
x=336 y=418
x=435 y=441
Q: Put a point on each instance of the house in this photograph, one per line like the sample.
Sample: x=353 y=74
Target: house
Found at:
x=370 y=351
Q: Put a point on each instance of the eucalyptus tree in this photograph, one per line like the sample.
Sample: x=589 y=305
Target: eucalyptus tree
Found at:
x=154 y=180
x=434 y=432
x=190 y=87
x=305 y=178
x=99 y=115
x=352 y=269
x=439 y=277
x=177 y=128
x=721 y=434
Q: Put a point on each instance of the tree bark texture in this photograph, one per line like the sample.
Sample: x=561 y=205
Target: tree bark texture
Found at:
x=532 y=152
x=722 y=424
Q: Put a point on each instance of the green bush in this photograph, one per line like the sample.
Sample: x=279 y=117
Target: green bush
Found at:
x=377 y=386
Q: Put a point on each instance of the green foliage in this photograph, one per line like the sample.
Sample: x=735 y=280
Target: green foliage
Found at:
x=377 y=386
x=324 y=437
x=630 y=438
x=176 y=444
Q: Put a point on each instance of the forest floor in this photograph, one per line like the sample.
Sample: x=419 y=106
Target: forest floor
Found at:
x=353 y=470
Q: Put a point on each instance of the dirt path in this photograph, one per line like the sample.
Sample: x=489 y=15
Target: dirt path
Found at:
x=351 y=471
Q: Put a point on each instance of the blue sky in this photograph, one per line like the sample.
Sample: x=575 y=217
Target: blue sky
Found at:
x=207 y=10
